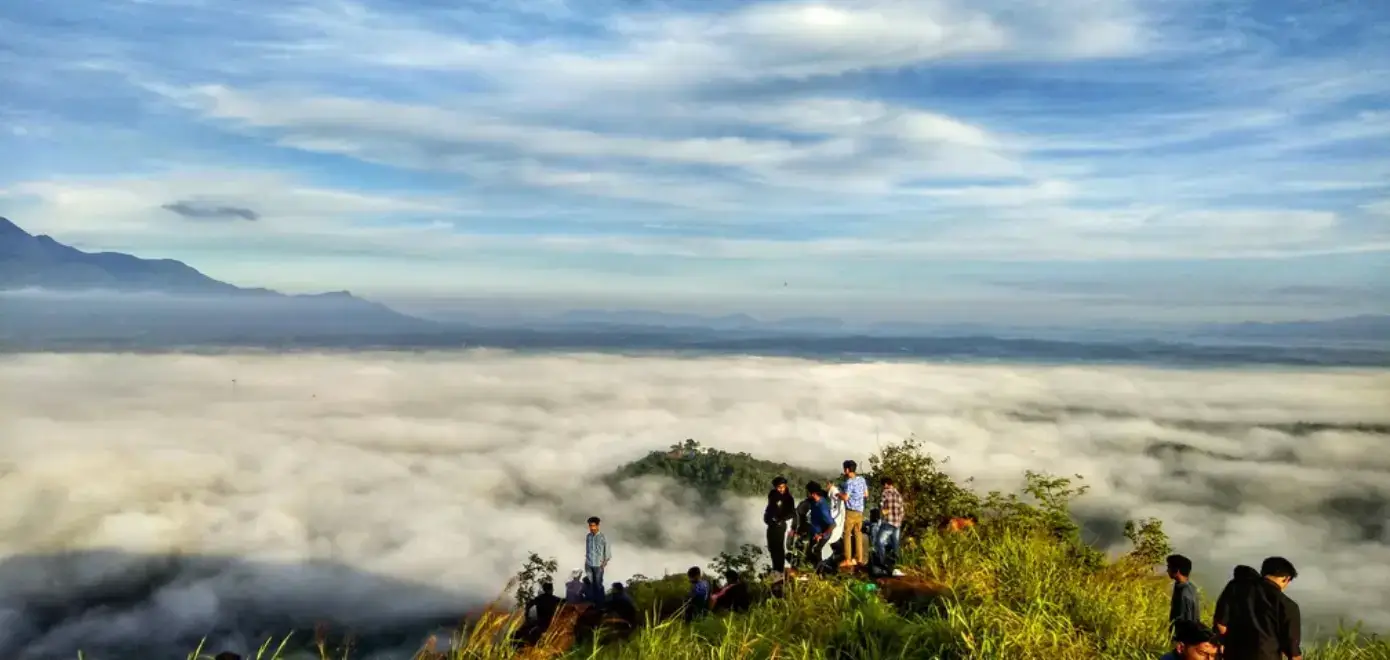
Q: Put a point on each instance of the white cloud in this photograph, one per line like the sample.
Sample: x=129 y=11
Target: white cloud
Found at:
x=665 y=52
x=421 y=473
x=106 y=206
x=856 y=147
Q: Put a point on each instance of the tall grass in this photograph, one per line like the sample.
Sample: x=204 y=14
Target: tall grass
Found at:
x=981 y=594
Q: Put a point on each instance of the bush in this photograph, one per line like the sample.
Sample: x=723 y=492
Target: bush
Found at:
x=528 y=580
x=933 y=497
x=748 y=562
x=1151 y=545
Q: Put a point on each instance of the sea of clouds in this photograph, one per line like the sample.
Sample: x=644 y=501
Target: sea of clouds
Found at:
x=149 y=500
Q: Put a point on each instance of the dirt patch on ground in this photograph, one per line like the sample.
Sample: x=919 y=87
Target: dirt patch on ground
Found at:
x=911 y=593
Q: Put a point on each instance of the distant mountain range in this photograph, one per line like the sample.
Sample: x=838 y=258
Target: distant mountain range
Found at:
x=53 y=296
x=57 y=292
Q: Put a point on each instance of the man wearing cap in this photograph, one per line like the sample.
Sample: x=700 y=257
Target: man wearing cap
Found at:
x=781 y=507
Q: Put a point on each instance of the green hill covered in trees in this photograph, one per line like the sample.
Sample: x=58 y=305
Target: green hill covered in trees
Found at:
x=714 y=473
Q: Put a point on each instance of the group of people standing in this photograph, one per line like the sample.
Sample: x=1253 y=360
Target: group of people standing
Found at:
x=1254 y=618
x=802 y=531
x=797 y=534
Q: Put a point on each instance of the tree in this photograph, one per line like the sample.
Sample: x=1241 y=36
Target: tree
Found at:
x=535 y=571
x=1151 y=544
x=747 y=562
x=932 y=498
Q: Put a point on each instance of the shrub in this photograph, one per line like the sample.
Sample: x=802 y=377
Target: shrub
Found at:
x=933 y=497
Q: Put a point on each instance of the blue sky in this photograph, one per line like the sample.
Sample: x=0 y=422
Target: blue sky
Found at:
x=1028 y=161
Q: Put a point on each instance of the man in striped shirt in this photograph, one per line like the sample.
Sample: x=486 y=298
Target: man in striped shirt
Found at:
x=890 y=528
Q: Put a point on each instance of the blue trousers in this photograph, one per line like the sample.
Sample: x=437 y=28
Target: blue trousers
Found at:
x=596 y=586
x=887 y=540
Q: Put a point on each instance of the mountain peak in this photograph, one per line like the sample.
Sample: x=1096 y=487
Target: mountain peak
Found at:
x=9 y=229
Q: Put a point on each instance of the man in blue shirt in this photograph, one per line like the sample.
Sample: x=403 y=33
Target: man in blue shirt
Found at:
x=596 y=556
x=854 y=493
x=1183 y=606
x=822 y=524
x=697 y=603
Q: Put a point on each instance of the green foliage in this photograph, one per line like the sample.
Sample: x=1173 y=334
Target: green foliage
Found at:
x=748 y=561
x=528 y=580
x=1044 y=508
x=932 y=497
x=711 y=472
x=1151 y=546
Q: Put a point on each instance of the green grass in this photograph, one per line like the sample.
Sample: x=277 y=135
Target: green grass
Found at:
x=1009 y=595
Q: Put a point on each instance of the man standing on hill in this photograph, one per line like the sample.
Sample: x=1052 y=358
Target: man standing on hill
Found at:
x=889 y=533
x=1261 y=622
x=1243 y=578
x=596 y=556
x=1184 y=605
x=781 y=507
x=855 y=492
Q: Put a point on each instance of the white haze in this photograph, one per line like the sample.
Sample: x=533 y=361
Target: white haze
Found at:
x=437 y=472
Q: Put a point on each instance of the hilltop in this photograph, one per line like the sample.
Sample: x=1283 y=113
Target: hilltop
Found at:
x=1019 y=585
x=713 y=473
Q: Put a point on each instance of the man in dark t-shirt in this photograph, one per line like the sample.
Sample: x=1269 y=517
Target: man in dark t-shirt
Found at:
x=1243 y=578
x=546 y=604
x=1183 y=606
x=1261 y=623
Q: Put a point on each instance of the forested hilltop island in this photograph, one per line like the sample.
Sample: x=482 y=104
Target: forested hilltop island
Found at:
x=714 y=473
x=1020 y=584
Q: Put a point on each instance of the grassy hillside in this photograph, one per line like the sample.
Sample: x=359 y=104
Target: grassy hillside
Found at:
x=1020 y=585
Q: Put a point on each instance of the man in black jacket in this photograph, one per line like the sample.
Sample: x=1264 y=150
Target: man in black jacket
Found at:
x=781 y=508
x=1261 y=623
x=1243 y=578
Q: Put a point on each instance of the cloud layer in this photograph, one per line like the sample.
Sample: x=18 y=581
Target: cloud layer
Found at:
x=442 y=470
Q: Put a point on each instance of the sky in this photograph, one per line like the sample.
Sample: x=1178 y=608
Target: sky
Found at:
x=1020 y=161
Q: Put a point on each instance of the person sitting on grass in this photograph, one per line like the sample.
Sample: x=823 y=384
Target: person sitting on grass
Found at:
x=697 y=603
x=620 y=603
x=545 y=604
x=734 y=596
x=1192 y=641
